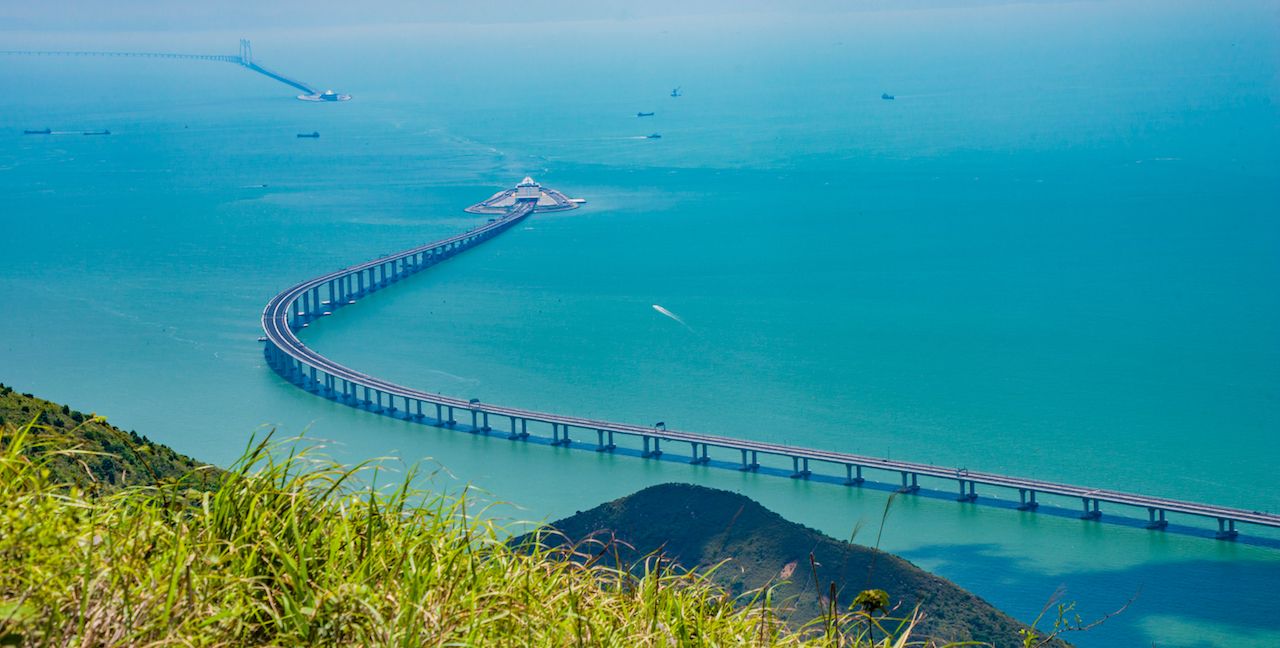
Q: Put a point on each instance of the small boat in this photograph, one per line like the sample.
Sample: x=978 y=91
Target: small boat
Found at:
x=676 y=92
x=312 y=135
x=644 y=114
x=886 y=96
x=653 y=136
x=101 y=132
x=46 y=131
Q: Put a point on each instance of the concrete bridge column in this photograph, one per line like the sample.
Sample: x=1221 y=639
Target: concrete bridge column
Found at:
x=600 y=447
x=1158 y=524
x=485 y=422
x=1090 y=514
x=368 y=401
x=745 y=466
x=514 y=435
x=849 y=478
x=966 y=497
x=1028 y=498
x=418 y=406
x=451 y=422
x=798 y=472
x=560 y=434
x=657 y=447
x=524 y=428
x=1226 y=529
x=439 y=415
x=912 y=487
x=474 y=424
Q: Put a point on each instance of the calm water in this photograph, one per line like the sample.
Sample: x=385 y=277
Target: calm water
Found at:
x=1055 y=254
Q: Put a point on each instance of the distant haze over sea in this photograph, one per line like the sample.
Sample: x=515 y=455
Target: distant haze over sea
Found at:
x=1054 y=254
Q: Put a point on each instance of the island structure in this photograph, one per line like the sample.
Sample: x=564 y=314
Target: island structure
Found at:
x=327 y=95
x=547 y=200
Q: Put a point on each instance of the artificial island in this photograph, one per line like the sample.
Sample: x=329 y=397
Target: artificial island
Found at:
x=528 y=191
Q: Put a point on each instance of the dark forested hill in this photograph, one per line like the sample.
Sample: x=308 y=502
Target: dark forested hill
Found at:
x=698 y=527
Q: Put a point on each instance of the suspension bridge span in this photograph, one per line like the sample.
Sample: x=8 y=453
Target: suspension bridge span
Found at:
x=297 y=307
x=243 y=58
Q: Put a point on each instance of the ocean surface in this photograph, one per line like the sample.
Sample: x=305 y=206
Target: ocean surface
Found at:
x=1054 y=254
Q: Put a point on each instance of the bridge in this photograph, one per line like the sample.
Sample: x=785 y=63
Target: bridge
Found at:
x=244 y=58
x=304 y=303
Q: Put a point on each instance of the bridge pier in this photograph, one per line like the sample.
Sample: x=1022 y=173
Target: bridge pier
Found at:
x=797 y=471
x=557 y=438
x=418 y=406
x=971 y=496
x=1226 y=529
x=1153 y=523
x=601 y=446
x=849 y=478
x=912 y=487
x=1093 y=514
x=657 y=447
x=485 y=422
x=800 y=468
x=451 y=422
x=695 y=459
x=1027 y=504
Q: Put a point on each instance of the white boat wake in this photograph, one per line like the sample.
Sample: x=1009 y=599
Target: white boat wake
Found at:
x=672 y=316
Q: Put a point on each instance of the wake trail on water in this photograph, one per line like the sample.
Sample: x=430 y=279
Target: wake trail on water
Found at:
x=673 y=316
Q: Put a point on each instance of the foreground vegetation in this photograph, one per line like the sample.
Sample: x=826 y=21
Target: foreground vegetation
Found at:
x=107 y=539
x=287 y=550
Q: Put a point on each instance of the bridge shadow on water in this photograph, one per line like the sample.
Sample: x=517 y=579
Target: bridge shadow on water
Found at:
x=1191 y=603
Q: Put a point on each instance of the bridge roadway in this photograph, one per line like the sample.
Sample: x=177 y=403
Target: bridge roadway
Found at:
x=225 y=58
x=294 y=309
x=244 y=59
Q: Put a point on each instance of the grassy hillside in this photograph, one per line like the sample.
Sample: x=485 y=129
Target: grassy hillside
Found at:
x=95 y=455
x=291 y=552
x=700 y=527
x=108 y=539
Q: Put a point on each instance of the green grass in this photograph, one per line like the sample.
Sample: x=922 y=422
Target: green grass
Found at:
x=289 y=548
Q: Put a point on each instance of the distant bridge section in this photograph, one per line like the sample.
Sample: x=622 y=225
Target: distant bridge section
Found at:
x=244 y=59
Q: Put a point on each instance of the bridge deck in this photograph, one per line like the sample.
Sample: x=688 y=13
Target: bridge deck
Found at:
x=224 y=58
x=294 y=308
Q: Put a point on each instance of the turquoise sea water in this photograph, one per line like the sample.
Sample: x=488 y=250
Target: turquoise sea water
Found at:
x=1054 y=254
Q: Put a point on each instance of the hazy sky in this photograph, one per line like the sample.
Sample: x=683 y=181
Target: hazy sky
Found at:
x=148 y=15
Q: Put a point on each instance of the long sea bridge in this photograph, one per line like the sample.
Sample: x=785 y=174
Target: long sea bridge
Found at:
x=297 y=307
x=243 y=58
